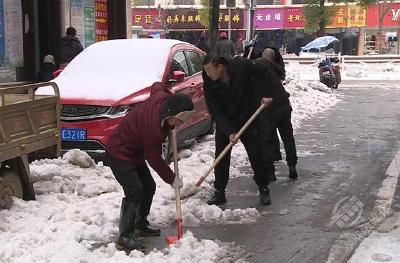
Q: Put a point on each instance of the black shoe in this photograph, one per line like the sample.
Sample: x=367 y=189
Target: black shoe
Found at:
x=277 y=156
x=147 y=231
x=218 y=198
x=129 y=243
x=293 y=173
x=272 y=177
x=265 y=199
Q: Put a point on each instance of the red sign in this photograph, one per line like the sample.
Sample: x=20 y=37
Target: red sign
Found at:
x=147 y=18
x=101 y=20
x=392 y=18
x=191 y=19
x=294 y=17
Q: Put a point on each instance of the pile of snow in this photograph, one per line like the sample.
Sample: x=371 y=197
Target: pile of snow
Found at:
x=78 y=202
x=371 y=71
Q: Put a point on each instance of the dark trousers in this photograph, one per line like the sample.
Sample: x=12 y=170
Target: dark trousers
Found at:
x=138 y=185
x=270 y=120
x=250 y=141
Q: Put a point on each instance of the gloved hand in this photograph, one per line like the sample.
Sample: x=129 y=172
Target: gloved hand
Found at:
x=177 y=183
x=252 y=43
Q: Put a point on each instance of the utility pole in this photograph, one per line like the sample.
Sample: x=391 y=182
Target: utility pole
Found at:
x=213 y=26
x=249 y=32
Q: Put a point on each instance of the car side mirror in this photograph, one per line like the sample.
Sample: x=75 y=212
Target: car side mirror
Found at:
x=177 y=76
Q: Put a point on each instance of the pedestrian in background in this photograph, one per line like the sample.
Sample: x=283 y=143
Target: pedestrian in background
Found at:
x=202 y=44
x=224 y=47
x=68 y=47
x=47 y=69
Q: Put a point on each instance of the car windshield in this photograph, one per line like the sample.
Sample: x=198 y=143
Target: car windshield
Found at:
x=115 y=69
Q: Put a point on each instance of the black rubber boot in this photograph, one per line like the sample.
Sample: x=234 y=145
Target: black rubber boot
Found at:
x=127 y=240
x=143 y=229
x=265 y=199
x=218 y=198
x=293 y=172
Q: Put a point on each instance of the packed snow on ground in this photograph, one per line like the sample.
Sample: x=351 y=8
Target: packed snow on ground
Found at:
x=78 y=202
x=381 y=245
x=383 y=71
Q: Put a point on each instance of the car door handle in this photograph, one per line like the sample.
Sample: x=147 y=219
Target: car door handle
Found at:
x=192 y=84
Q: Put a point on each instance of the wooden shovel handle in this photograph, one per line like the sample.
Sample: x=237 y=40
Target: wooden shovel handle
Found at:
x=177 y=190
x=229 y=146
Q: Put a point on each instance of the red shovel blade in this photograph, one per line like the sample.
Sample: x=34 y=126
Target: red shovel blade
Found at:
x=171 y=240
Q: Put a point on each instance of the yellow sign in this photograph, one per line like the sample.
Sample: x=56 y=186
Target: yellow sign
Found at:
x=356 y=16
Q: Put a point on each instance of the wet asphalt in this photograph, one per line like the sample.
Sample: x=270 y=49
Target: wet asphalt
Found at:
x=343 y=152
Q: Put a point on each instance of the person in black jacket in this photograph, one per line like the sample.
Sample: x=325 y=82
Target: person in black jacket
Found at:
x=202 y=44
x=46 y=70
x=277 y=116
x=69 y=47
x=229 y=99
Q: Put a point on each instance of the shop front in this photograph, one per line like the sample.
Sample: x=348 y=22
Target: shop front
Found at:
x=390 y=32
x=186 y=24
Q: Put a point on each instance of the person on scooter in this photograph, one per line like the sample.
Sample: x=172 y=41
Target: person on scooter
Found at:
x=138 y=139
x=229 y=99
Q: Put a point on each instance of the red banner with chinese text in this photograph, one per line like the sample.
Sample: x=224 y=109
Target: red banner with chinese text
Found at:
x=184 y=18
x=294 y=17
x=148 y=18
x=392 y=18
x=101 y=20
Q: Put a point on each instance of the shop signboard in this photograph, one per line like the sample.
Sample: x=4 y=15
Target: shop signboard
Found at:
x=392 y=18
x=294 y=17
x=77 y=18
x=2 y=36
x=340 y=18
x=90 y=36
x=184 y=18
x=148 y=18
x=13 y=33
x=101 y=20
x=269 y=18
x=356 y=16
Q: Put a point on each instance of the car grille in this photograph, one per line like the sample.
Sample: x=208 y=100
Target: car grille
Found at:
x=89 y=145
x=69 y=111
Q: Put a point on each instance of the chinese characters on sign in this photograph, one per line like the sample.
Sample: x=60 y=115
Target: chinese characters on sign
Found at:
x=179 y=18
x=294 y=18
x=101 y=20
x=269 y=18
x=356 y=16
x=392 y=18
x=340 y=18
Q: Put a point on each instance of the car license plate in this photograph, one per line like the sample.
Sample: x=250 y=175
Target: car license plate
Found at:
x=325 y=73
x=73 y=134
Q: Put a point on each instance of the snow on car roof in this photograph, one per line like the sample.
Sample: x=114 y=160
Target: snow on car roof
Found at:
x=115 y=69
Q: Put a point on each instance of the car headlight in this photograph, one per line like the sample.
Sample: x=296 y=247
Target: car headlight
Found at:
x=118 y=111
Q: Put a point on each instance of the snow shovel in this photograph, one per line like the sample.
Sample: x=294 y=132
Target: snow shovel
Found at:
x=172 y=239
x=227 y=148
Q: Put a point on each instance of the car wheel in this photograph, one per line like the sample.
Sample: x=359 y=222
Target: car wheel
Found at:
x=10 y=185
x=166 y=150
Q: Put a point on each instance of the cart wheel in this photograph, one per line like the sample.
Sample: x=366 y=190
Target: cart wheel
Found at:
x=10 y=185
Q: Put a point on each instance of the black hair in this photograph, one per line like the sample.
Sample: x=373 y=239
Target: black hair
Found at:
x=175 y=104
x=215 y=59
x=71 y=31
